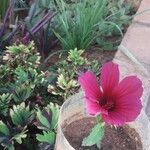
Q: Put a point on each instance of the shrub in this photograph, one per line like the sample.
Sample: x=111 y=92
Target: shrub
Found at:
x=25 y=103
x=66 y=72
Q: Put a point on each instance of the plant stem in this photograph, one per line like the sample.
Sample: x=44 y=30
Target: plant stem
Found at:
x=98 y=119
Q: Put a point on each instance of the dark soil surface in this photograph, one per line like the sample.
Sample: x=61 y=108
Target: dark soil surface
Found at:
x=102 y=56
x=94 y=52
x=114 y=139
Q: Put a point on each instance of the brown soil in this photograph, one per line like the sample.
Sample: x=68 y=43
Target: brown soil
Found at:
x=102 y=56
x=114 y=139
x=94 y=52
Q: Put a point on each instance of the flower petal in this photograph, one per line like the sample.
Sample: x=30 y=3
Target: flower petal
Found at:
x=126 y=97
x=93 y=108
x=114 y=118
x=109 y=76
x=129 y=107
x=90 y=86
x=129 y=86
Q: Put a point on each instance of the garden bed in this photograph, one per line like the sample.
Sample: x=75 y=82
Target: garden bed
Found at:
x=36 y=87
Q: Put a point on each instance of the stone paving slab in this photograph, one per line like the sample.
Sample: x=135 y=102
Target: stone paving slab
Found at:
x=143 y=17
x=137 y=41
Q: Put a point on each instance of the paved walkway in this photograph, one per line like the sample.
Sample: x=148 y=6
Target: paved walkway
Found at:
x=134 y=51
x=134 y=58
x=137 y=38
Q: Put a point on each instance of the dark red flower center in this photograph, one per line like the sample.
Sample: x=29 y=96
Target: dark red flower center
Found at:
x=107 y=105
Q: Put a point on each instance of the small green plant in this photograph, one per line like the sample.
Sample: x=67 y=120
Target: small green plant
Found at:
x=21 y=71
x=22 y=55
x=75 y=56
x=21 y=115
x=21 y=93
x=24 y=98
x=47 y=121
x=9 y=135
x=67 y=72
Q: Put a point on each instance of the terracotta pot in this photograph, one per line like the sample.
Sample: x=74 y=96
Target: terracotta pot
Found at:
x=73 y=109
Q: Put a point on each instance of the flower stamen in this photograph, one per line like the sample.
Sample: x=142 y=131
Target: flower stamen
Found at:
x=107 y=105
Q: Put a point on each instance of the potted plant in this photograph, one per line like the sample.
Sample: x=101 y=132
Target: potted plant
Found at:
x=93 y=122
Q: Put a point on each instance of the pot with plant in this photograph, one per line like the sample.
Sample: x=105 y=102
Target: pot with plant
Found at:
x=101 y=118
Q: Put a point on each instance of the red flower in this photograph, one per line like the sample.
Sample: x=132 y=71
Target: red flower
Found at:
x=117 y=102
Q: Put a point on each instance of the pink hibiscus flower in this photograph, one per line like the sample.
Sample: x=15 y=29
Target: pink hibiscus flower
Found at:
x=117 y=102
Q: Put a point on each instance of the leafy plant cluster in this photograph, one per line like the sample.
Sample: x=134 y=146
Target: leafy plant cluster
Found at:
x=29 y=97
x=74 y=24
x=18 y=131
x=118 y=18
x=39 y=25
x=27 y=119
x=85 y=22
x=67 y=72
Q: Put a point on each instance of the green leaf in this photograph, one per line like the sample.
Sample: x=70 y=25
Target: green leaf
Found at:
x=75 y=56
x=48 y=137
x=4 y=129
x=19 y=136
x=4 y=103
x=33 y=58
x=22 y=75
x=20 y=115
x=48 y=117
x=55 y=114
x=95 y=136
x=11 y=147
x=43 y=119
x=22 y=93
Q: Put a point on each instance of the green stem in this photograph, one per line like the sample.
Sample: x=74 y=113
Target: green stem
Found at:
x=98 y=119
